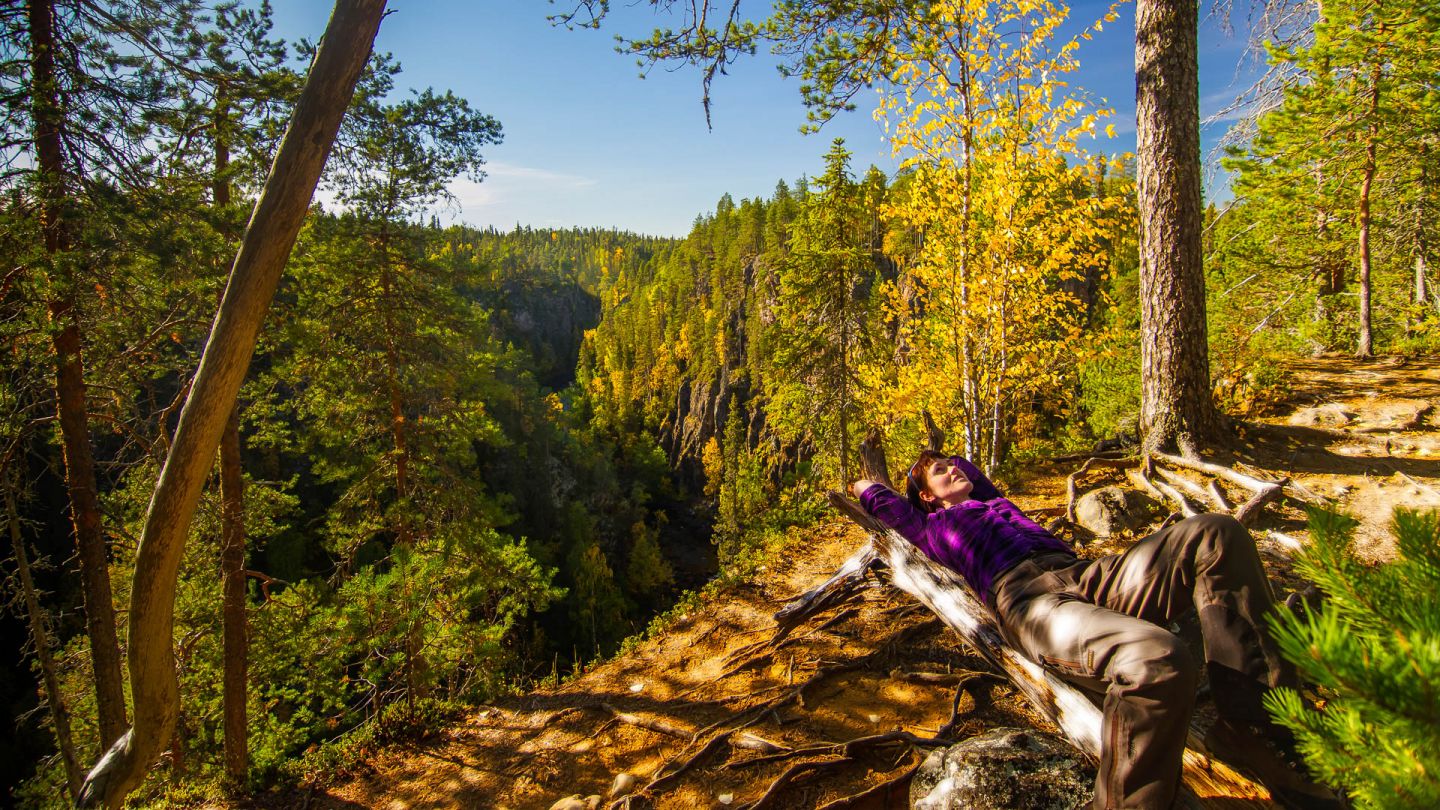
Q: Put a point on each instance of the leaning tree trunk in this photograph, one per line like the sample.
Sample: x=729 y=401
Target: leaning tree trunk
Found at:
x=48 y=117
x=263 y=252
x=1176 y=407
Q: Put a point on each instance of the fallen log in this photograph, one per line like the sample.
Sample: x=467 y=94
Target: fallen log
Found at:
x=950 y=598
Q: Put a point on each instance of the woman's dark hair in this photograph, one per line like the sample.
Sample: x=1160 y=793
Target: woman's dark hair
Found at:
x=915 y=479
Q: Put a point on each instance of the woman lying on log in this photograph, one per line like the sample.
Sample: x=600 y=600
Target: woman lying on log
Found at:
x=1102 y=625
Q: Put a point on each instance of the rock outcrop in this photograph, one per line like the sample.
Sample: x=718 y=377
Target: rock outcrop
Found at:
x=1108 y=511
x=1004 y=769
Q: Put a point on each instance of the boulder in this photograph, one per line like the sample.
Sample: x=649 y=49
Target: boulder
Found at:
x=1110 y=510
x=1004 y=769
x=1331 y=414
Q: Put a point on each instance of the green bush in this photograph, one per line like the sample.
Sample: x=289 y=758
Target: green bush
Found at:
x=1110 y=392
x=1374 y=649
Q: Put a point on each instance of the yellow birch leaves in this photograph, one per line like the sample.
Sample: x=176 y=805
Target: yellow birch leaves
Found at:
x=1012 y=219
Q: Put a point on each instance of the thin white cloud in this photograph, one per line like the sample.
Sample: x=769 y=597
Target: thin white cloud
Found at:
x=467 y=193
x=530 y=174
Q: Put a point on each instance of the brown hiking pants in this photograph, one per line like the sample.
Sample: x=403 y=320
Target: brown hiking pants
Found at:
x=1102 y=625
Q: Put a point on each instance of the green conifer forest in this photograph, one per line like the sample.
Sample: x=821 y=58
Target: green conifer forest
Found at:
x=467 y=461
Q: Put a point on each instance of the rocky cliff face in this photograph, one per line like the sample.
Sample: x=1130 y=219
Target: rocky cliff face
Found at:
x=547 y=318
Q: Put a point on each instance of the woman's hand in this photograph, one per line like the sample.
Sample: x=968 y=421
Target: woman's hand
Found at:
x=863 y=484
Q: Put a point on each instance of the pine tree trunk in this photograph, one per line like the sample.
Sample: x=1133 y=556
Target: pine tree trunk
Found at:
x=70 y=380
x=59 y=715
x=1176 y=406
x=283 y=203
x=397 y=415
x=235 y=628
x=235 y=632
x=1421 y=294
x=1364 y=345
x=1423 y=288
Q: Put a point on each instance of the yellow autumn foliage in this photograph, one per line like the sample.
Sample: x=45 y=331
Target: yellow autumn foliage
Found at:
x=1010 y=216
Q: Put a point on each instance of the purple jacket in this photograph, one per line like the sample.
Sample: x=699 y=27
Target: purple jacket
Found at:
x=978 y=539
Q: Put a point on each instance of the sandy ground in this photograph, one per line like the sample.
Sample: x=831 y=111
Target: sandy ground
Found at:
x=858 y=663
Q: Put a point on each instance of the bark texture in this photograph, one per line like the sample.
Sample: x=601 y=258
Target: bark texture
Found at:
x=49 y=124
x=342 y=55
x=1176 y=406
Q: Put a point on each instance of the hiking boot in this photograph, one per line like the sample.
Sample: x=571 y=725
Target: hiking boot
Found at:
x=1273 y=763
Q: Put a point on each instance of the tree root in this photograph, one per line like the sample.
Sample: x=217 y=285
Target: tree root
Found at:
x=654 y=724
x=770 y=646
x=1174 y=496
x=754 y=742
x=1192 y=489
x=1072 y=482
x=1167 y=485
x=669 y=771
x=1217 y=494
x=886 y=794
x=847 y=749
x=790 y=775
x=937 y=678
x=840 y=754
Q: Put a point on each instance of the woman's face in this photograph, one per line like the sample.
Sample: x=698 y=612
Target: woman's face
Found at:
x=945 y=483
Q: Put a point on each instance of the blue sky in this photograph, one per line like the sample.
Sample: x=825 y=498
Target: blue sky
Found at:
x=589 y=143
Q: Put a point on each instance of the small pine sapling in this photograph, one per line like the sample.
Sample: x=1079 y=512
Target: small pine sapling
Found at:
x=1374 y=649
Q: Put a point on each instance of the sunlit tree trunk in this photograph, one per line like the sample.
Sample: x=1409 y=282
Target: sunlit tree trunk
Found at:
x=1421 y=293
x=1176 y=406
x=80 y=479
x=965 y=344
x=268 y=240
x=1364 y=343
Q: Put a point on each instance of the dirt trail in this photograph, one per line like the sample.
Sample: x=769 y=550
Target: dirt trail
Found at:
x=861 y=661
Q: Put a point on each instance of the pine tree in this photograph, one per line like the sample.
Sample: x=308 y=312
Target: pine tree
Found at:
x=825 y=320
x=1338 y=170
x=1375 y=645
